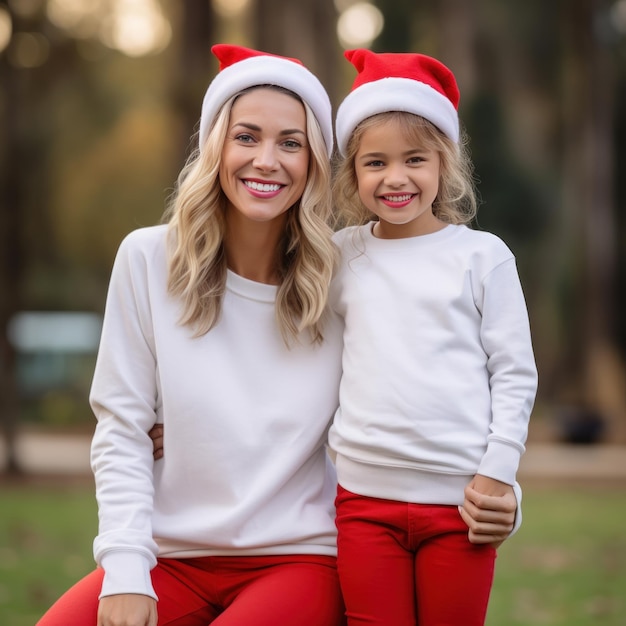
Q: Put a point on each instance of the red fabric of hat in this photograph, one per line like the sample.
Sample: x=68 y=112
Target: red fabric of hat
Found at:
x=419 y=67
x=399 y=81
x=228 y=54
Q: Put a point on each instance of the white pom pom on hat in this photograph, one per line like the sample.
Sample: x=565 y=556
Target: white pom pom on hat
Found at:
x=241 y=68
x=398 y=81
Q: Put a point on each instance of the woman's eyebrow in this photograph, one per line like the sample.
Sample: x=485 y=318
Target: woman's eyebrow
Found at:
x=286 y=131
x=293 y=131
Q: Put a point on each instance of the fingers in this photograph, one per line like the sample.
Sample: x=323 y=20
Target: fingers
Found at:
x=156 y=434
x=485 y=531
x=156 y=431
x=504 y=504
x=490 y=518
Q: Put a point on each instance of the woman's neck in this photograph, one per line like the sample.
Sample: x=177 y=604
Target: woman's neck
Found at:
x=252 y=250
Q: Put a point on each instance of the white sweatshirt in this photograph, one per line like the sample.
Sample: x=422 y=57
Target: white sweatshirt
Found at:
x=245 y=470
x=439 y=377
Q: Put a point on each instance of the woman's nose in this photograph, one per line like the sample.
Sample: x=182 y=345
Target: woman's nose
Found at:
x=265 y=157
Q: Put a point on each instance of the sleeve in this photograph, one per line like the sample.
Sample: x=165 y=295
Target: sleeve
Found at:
x=123 y=399
x=505 y=335
x=517 y=489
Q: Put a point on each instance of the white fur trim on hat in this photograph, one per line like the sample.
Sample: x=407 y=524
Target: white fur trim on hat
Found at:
x=395 y=94
x=267 y=70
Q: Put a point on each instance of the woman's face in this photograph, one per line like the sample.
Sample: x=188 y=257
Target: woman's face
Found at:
x=265 y=158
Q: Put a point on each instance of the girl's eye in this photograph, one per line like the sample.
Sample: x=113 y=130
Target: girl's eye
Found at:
x=374 y=163
x=416 y=159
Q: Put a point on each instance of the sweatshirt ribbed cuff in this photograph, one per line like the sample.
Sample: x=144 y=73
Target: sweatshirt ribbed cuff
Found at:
x=518 y=513
x=500 y=462
x=126 y=572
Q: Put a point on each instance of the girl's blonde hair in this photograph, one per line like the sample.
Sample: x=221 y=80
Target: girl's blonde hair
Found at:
x=197 y=259
x=456 y=201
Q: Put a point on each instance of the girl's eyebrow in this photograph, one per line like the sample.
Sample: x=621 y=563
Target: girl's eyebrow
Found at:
x=375 y=155
x=286 y=131
x=370 y=155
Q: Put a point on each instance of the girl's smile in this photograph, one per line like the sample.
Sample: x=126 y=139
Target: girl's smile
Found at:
x=397 y=200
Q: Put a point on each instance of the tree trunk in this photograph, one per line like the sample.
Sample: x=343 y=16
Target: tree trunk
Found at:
x=305 y=30
x=11 y=257
x=195 y=69
x=596 y=372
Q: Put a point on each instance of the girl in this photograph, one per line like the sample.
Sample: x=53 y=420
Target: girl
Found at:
x=438 y=376
x=215 y=325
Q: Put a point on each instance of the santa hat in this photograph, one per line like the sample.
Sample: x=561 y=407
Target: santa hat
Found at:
x=241 y=68
x=399 y=81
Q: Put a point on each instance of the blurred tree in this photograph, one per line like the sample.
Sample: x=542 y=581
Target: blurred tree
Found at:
x=193 y=38
x=11 y=250
x=592 y=368
x=305 y=30
x=19 y=183
x=89 y=143
x=620 y=192
x=397 y=34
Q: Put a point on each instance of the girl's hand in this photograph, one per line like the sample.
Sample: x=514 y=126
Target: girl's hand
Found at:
x=156 y=434
x=127 y=609
x=488 y=510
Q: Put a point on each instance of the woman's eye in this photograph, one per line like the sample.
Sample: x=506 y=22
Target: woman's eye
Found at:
x=292 y=144
x=244 y=138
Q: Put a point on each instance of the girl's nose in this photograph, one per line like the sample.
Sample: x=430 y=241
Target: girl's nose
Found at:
x=265 y=157
x=396 y=176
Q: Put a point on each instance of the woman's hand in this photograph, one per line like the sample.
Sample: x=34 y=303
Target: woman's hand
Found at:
x=488 y=510
x=156 y=434
x=127 y=609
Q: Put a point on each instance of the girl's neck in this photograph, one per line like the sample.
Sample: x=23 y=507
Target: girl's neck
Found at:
x=387 y=230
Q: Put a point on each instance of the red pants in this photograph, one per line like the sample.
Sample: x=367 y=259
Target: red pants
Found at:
x=300 y=590
x=404 y=564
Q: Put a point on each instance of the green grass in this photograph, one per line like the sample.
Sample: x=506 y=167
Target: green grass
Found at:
x=46 y=533
x=567 y=564
x=565 y=567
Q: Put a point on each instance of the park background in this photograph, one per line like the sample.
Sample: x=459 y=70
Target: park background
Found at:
x=98 y=101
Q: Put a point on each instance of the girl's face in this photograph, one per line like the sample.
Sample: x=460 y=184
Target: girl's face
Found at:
x=398 y=180
x=265 y=158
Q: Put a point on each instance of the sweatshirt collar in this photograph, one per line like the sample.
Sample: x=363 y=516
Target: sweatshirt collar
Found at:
x=250 y=289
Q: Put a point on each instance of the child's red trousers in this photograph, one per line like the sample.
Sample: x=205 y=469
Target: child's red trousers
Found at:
x=403 y=564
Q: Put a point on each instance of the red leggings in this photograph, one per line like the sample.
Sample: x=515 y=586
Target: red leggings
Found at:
x=404 y=564
x=300 y=590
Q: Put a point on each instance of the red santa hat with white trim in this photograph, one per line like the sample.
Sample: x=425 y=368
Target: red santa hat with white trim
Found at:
x=241 y=68
x=398 y=81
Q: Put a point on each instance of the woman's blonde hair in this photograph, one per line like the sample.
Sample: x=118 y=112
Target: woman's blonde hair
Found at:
x=456 y=201
x=197 y=259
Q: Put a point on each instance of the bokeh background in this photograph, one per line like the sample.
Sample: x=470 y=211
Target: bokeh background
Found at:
x=99 y=100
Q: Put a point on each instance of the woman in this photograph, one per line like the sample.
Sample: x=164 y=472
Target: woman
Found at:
x=215 y=325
